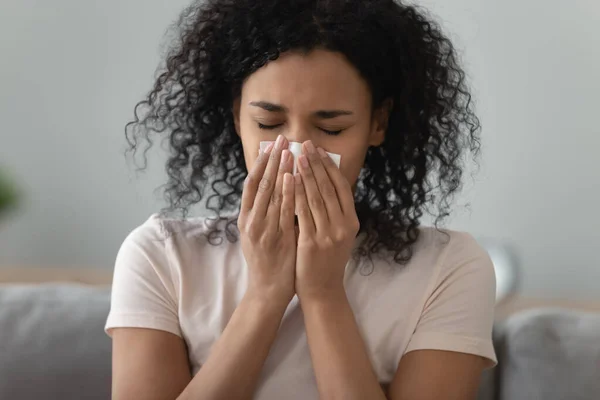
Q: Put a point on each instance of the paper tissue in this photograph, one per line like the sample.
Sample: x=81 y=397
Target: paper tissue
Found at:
x=296 y=149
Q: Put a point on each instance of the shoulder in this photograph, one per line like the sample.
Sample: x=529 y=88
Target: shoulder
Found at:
x=150 y=231
x=449 y=246
x=448 y=256
x=164 y=248
x=446 y=240
x=176 y=246
x=159 y=232
x=459 y=259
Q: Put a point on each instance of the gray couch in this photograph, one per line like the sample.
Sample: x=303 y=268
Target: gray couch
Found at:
x=52 y=346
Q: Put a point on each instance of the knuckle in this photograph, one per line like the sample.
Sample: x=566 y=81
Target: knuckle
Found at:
x=327 y=189
x=265 y=184
x=303 y=211
x=339 y=236
x=252 y=234
x=276 y=199
x=307 y=243
x=327 y=242
x=250 y=180
x=316 y=202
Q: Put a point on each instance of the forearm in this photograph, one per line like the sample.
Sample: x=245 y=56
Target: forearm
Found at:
x=339 y=356
x=237 y=358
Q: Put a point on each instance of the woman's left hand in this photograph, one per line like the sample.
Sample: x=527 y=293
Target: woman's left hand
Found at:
x=327 y=223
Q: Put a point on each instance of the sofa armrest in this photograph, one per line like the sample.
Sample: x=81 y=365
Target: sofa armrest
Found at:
x=52 y=342
x=549 y=354
x=88 y=276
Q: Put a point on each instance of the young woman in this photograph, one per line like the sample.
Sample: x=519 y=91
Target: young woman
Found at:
x=353 y=299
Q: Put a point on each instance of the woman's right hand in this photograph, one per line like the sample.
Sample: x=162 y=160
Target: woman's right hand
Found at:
x=266 y=224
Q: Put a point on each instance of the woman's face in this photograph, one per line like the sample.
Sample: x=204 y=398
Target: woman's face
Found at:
x=310 y=97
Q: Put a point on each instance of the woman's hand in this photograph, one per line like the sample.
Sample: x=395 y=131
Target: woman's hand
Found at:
x=266 y=224
x=327 y=221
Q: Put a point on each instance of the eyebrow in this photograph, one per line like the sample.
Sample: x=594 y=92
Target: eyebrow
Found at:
x=321 y=114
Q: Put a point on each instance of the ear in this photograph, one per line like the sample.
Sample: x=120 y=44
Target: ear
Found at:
x=236 y=114
x=381 y=118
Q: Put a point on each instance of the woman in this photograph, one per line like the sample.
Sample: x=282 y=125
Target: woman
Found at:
x=353 y=299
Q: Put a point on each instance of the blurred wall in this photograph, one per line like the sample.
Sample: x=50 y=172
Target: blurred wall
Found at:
x=71 y=72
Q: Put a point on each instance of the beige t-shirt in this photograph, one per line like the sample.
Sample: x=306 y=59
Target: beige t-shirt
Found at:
x=168 y=276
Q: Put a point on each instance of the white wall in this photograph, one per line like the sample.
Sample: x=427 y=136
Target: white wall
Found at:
x=536 y=67
x=71 y=72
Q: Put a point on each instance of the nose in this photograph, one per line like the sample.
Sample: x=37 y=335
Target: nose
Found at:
x=297 y=135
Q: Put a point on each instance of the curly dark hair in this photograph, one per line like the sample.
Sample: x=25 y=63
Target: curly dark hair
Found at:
x=398 y=49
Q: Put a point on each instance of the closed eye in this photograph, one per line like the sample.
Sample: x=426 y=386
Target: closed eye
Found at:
x=268 y=127
x=271 y=127
x=332 y=133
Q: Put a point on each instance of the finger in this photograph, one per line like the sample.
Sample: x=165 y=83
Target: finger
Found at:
x=277 y=197
x=253 y=180
x=267 y=182
x=305 y=218
x=324 y=184
x=315 y=201
x=286 y=216
x=340 y=183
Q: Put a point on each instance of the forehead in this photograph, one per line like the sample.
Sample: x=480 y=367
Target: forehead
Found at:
x=320 y=79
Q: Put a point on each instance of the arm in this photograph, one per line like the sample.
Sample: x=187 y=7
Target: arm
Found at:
x=456 y=376
x=452 y=342
x=338 y=353
x=344 y=371
x=453 y=335
x=328 y=225
x=152 y=364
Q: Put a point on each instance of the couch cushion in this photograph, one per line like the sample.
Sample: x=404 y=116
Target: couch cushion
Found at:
x=550 y=354
x=52 y=342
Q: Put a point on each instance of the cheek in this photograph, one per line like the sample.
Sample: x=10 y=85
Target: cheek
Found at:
x=351 y=165
x=249 y=156
x=250 y=147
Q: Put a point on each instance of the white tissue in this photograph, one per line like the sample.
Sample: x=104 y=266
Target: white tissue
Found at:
x=296 y=149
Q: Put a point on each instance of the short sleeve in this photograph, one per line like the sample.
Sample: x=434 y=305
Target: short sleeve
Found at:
x=143 y=294
x=459 y=313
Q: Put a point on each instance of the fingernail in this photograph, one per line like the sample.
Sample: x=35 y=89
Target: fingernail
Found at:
x=284 y=156
x=310 y=147
x=322 y=152
x=279 y=142
x=303 y=161
x=287 y=178
x=269 y=148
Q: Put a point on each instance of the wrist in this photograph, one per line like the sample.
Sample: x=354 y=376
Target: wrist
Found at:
x=266 y=301
x=328 y=296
